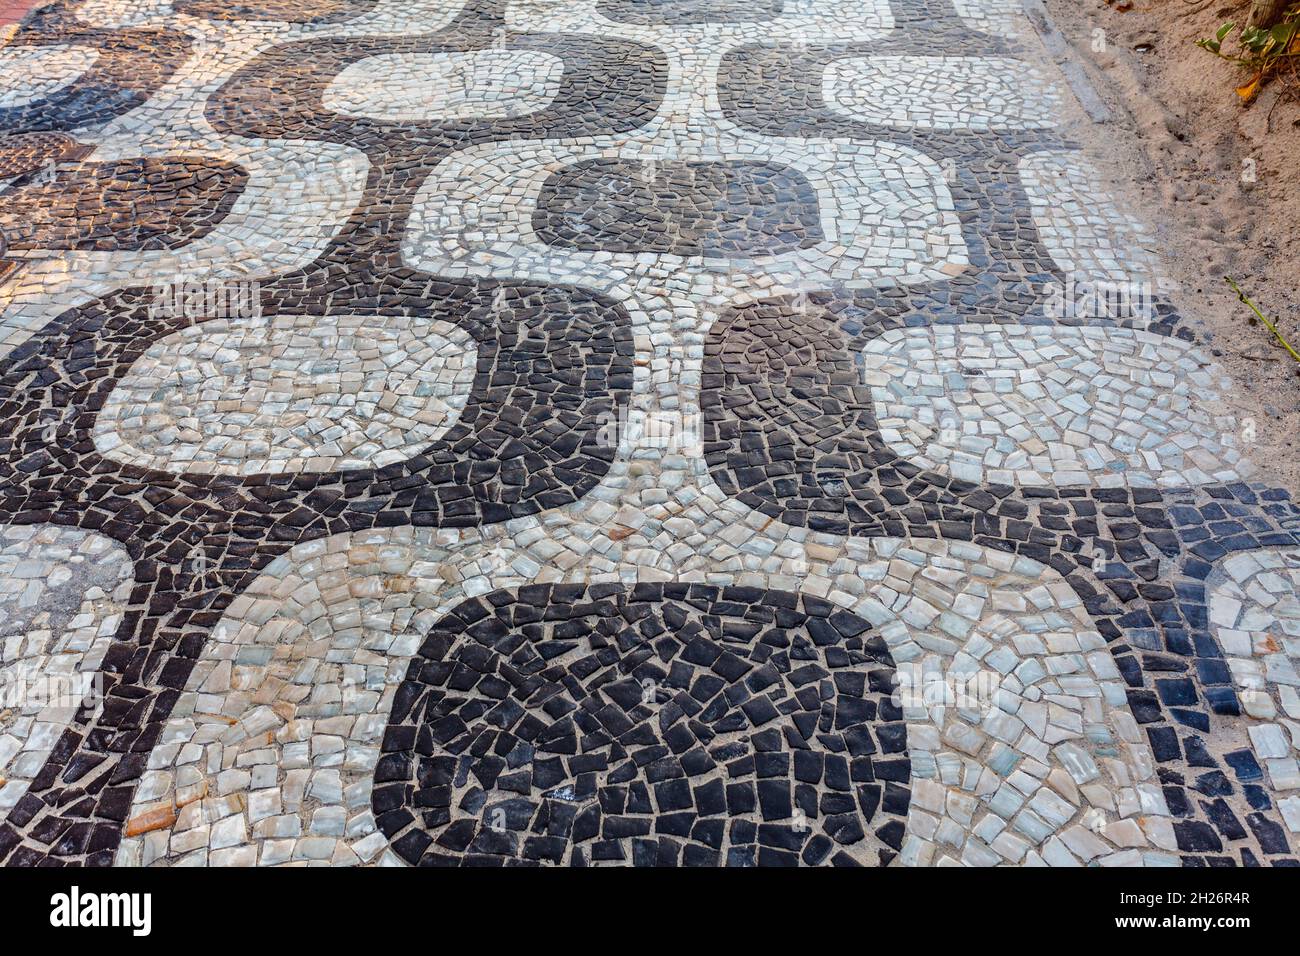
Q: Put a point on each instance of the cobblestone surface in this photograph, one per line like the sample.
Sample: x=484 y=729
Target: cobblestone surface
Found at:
x=610 y=432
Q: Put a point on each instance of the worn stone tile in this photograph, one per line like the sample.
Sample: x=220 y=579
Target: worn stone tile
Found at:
x=611 y=432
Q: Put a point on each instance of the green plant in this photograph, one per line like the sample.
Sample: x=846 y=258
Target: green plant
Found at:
x=1263 y=318
x=1262 y=50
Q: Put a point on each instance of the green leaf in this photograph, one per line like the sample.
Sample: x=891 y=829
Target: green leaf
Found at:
x=1225 y=30
x=1256 y=40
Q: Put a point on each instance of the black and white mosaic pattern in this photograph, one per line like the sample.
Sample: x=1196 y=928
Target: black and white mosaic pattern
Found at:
x=140 y=204
x=728 y=210
x=611 y=432
x=675 y=724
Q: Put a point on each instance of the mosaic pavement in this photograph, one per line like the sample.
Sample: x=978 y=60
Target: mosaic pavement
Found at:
x=611 y=432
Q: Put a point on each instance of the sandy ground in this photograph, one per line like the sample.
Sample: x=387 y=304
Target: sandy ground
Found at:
x=1220 y=184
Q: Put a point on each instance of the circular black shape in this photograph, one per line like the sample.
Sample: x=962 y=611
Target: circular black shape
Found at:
x=661 y=725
